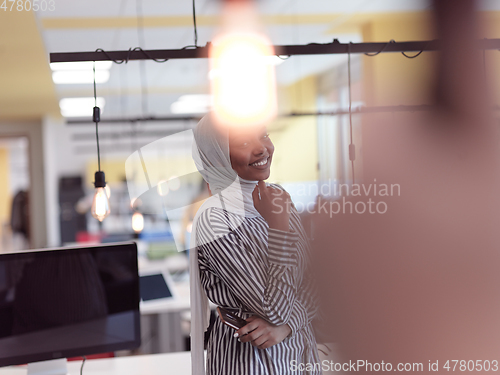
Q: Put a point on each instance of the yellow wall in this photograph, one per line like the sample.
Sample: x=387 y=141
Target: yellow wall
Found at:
x=5 y=197
x=29 y=92
x=295 y=138
x=391 y=78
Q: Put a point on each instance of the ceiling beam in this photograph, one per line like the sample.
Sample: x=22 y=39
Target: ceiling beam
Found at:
x=339 y=112
x=81 y=121
x=284 y=50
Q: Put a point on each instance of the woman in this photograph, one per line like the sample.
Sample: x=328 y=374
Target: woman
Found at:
x=251 y=259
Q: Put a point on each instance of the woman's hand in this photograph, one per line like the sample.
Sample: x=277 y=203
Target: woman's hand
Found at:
x=273 y=204
x=261 y=333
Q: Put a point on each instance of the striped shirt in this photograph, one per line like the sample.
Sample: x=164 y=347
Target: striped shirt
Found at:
x=257 y=270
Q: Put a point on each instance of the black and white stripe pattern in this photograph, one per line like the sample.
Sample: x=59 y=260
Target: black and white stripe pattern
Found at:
x=257 y=270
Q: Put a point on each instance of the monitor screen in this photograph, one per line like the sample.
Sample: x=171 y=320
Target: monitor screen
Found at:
x=67 y=302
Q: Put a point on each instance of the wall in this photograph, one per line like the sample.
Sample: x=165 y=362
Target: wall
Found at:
x=33 y=130
x=294 y=138
x=391 y=78
x=5 y=196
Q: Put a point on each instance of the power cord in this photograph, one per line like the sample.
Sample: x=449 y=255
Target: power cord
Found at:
x=130 y=50
x=81 y=367
x=195 y=45
x=97 y=118
x=403 y=53
x=194 y=23
x=382 y=50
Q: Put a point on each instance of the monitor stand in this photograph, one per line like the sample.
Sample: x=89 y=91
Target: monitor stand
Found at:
x=51 y=367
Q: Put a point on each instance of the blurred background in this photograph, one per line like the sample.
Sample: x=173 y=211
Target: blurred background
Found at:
x=47 y=139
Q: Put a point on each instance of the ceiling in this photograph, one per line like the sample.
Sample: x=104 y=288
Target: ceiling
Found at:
x=27 y=38
x=148 y=88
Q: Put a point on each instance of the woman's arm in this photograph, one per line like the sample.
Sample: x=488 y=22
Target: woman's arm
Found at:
x=261 y=333
x=305 y=307
x=267 y=287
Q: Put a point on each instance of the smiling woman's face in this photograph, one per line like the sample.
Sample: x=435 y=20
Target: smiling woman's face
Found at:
x=251 y=152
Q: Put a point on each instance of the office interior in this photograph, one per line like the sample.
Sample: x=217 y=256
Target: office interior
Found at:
x=48 y=153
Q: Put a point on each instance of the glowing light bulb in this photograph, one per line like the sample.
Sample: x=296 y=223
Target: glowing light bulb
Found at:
x=243 y=82
x=108 y=191
x=100 y=205
x=137 y=222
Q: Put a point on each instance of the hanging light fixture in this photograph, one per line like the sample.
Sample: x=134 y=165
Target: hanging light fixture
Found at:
x=243 y=82
x=100 y=205
x=137 y=222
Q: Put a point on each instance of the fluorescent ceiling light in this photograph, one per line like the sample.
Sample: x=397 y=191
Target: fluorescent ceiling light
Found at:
x=192 y=104
x=81 y=65
x=80 y=72
x=79 y=76
x=80 y=107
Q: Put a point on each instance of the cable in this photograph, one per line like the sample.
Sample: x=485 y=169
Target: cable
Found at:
x=403 y=53
x=147 y=55
x=418 y=54
x=140 y=38
x=376 y=53
x=352 y=154
x=412 y=57
x=195 y=28
x=298 y=96
x=140 y=25
x=95 y=96
x=130 y=50
x=191 y=46
x=195 y=45
x=81 y=367
x=349 y=86
x=116 y=36
x=96 y=119
x=144 y=92
x=109 y=57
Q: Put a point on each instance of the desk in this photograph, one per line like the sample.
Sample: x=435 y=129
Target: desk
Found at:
x=181 y=301
x=154 y=364
x=161 y=322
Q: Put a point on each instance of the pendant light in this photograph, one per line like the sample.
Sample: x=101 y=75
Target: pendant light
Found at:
x=243 y=82
x=137 y=222
x=100 y=205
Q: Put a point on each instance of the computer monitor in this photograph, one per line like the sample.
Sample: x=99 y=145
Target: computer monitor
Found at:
x=67 y=302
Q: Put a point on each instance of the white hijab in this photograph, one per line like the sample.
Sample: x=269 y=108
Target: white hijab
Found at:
x=230 y=192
